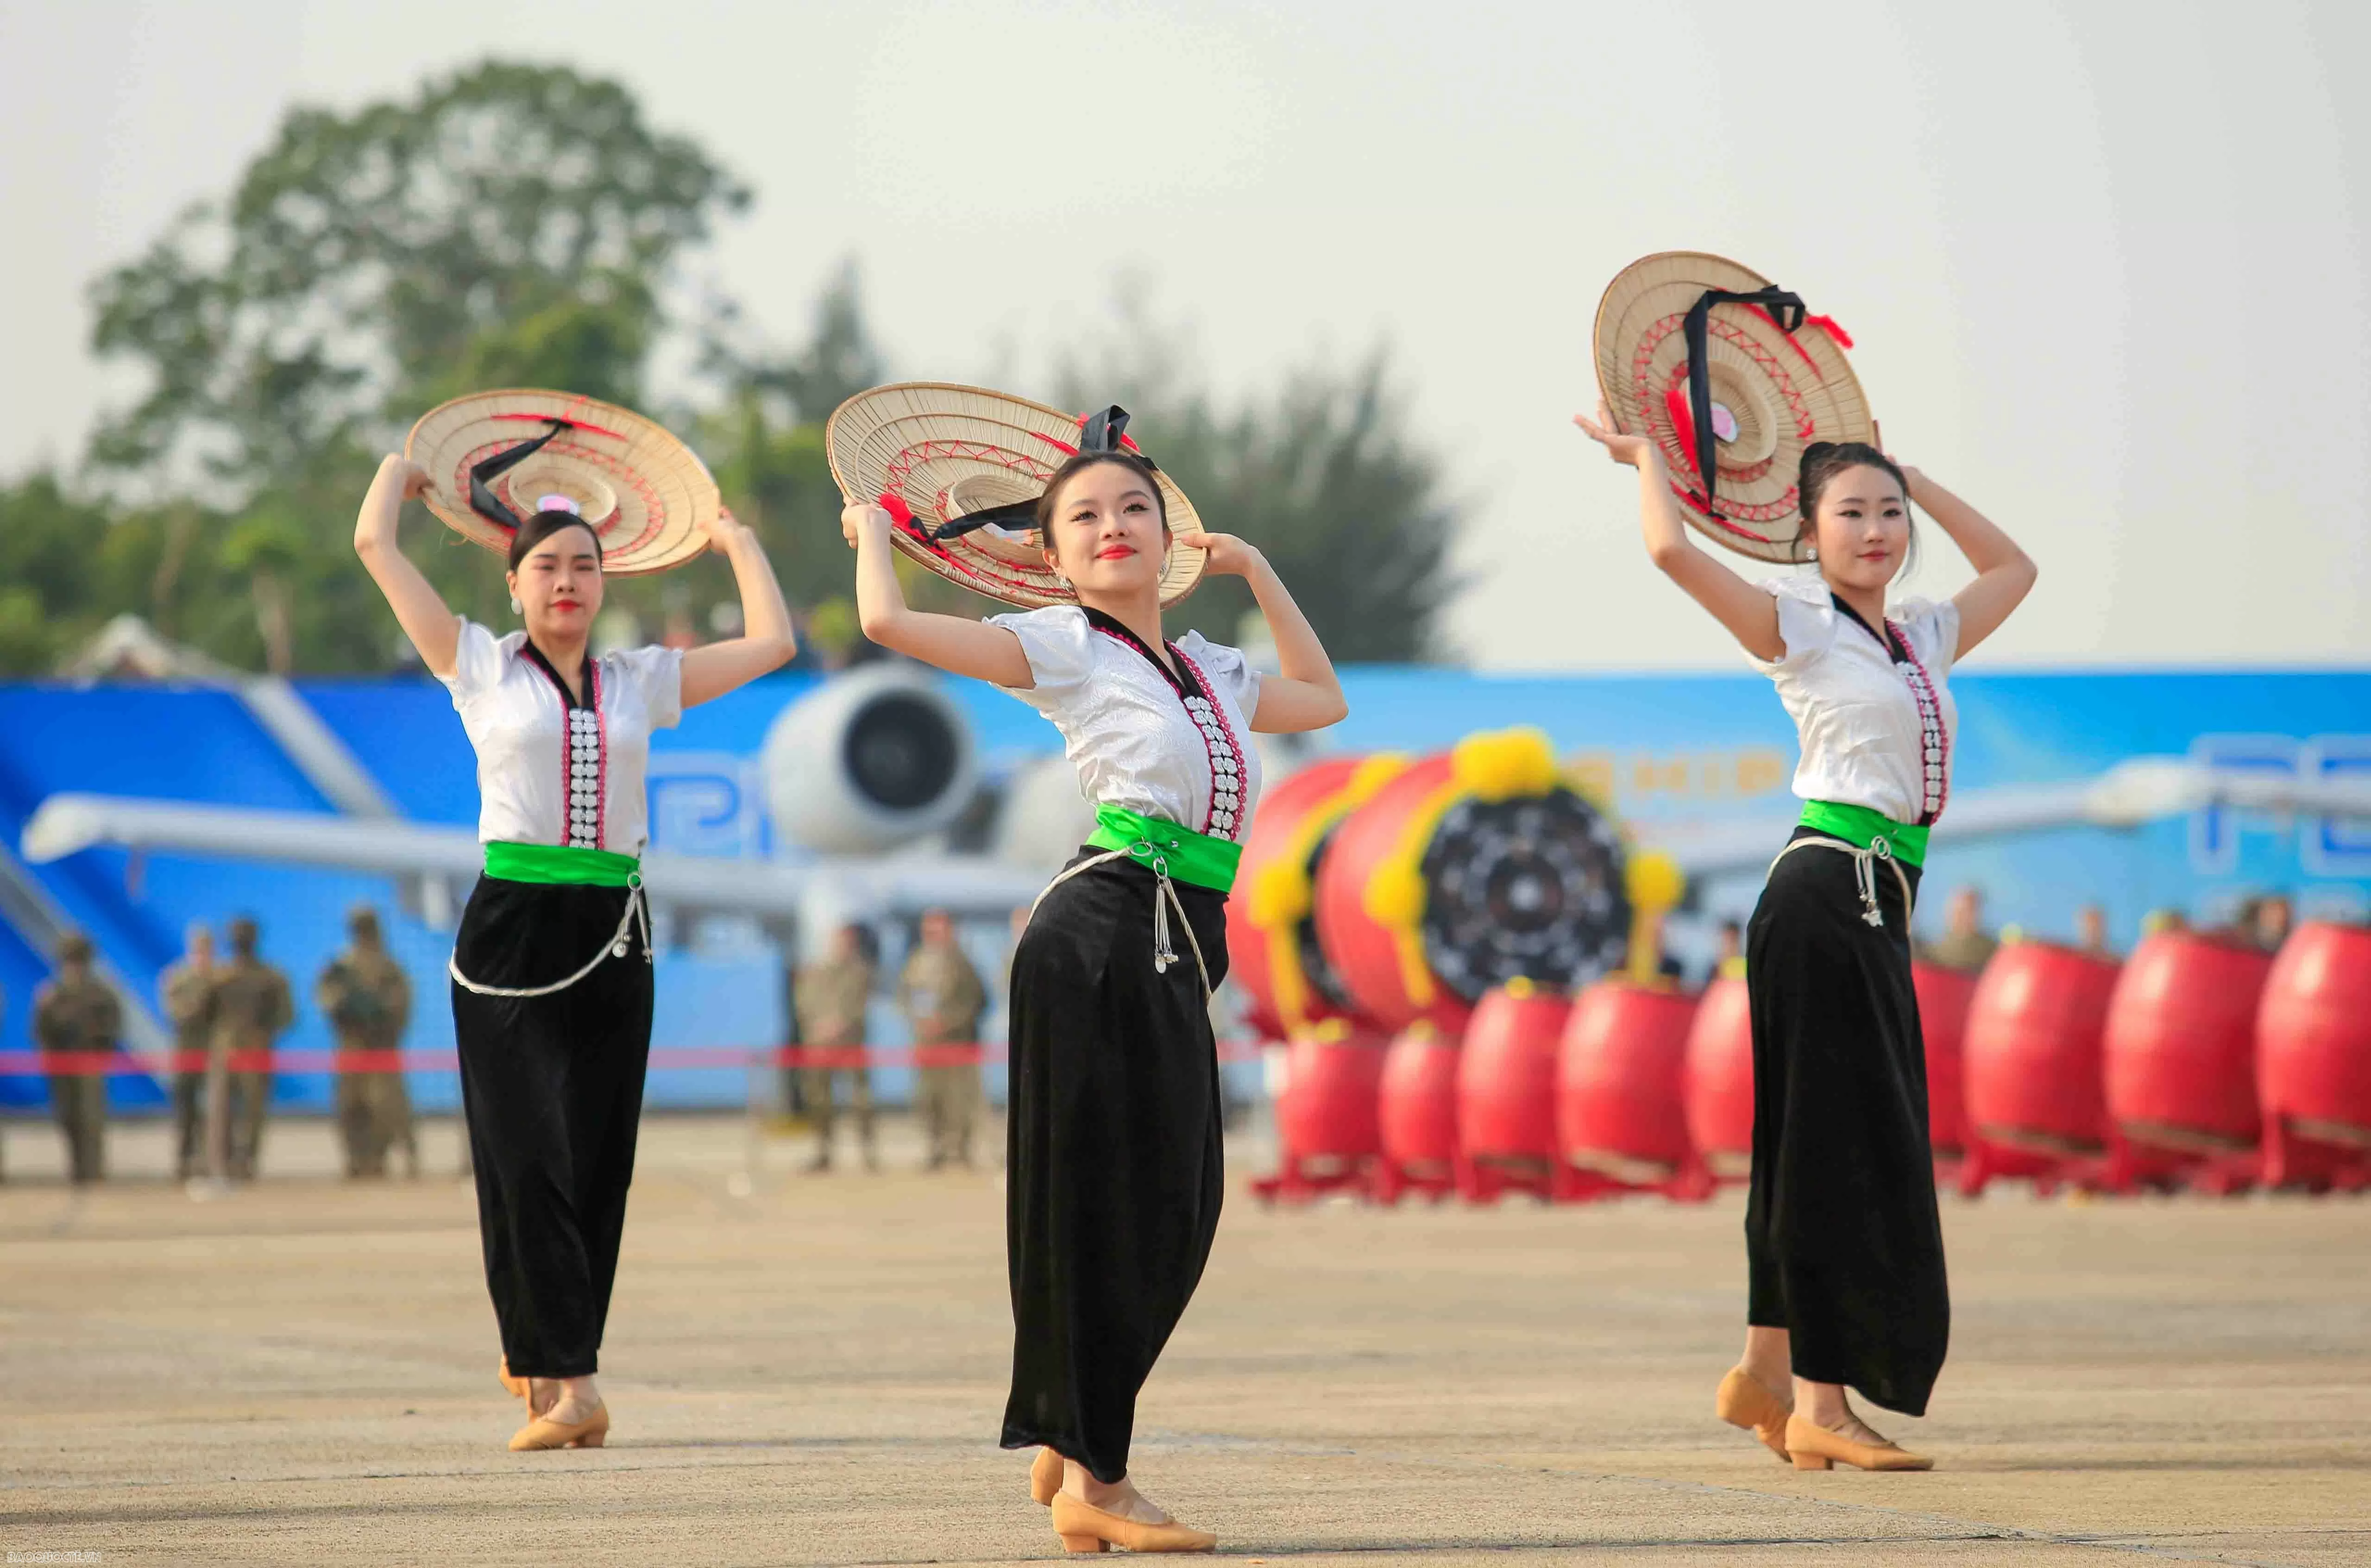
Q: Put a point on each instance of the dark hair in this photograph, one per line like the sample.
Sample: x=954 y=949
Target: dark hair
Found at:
x=244 y=935
x=542 y=526
x=1080 y=464
x=1821 y=462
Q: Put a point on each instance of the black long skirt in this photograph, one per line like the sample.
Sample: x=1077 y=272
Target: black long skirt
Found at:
x=1113 y=1179
x=1844 y=1245
x=552 y=1089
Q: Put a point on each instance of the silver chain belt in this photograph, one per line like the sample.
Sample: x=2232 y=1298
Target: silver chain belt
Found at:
x=637 y=909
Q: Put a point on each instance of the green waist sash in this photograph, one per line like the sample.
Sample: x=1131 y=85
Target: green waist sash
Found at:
x=1859 y=827
x=1189 y=857
x=561 y=863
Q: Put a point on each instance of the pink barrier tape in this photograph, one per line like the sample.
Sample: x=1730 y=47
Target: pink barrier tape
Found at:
x=694 y=1058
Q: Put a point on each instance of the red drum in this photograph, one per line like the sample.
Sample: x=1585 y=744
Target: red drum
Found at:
x=2313 y=1058
x=1271 y=932
x=1416 y=1116
x=1506 y=1089
x=1328 y=1123
x=1621 y=1089
x=2035 y=1105
x=1383 y=980
x=1719 y=1090
x=1469 y=870
x=1943 y=999
x=2179 y=1062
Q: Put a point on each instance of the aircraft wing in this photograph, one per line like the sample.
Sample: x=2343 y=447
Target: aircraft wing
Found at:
x=67 y=824
x=2140 y=790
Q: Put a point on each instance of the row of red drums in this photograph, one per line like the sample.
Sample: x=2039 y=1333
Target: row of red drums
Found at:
x=2197 y=1062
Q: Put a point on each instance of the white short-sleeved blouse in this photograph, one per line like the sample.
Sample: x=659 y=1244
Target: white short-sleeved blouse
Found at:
x=1180 y=752
x=553 y=771
x=1876 y=731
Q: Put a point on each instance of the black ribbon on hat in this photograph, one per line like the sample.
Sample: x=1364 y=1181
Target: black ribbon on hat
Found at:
x=482 y=501
x=1785 y=308
x=1101 y=431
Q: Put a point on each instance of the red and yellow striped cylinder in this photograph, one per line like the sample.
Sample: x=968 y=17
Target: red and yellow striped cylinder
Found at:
x=1271 y=924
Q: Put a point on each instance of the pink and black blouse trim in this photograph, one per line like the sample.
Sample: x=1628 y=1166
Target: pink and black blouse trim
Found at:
x=1934 y=737
x=584 y=754
x=1225 y=817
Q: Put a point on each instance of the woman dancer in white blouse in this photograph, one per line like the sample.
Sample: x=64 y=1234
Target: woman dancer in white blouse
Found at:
x=551 y=1001
x=1844 y=1245
x=1112 y=1176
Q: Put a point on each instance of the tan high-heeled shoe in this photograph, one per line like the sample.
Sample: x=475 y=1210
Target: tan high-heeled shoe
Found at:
x=518 y=1388
x=1045 y=1477
x=545 y=1433
x=1084 y=1527
x=1746 y=1401
x=1817 y=1448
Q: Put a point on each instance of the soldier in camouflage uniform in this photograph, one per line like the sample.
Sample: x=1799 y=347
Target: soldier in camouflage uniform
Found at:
x=189 y=991
x=252 y=1009
x=942 y=998
x=831 y=1001
x=75 y=1015
x=367 y=1001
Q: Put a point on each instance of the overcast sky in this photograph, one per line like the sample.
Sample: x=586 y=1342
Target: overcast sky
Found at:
x=2104 y=260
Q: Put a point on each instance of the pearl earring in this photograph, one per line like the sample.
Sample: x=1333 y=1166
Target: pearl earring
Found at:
x=518 y=608
x=1811 y=554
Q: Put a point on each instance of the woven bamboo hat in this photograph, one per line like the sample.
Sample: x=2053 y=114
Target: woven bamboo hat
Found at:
x=959 y=468
x=1763 y=380
x=493 y=457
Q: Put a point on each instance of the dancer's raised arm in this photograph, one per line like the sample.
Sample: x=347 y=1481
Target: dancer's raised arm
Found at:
x=419 y=608
x=2005 y=574
x=951 y=643
x=1305 y=693
x=767 y=641
x=1749 y=614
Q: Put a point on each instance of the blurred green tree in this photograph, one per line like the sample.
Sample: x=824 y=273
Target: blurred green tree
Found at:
x=505 y=225
x=507 y=219
x=1324 y=475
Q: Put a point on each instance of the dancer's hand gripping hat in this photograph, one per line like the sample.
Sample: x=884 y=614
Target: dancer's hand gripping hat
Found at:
x=494 y=459
x=959 y=470
x=1731 y=379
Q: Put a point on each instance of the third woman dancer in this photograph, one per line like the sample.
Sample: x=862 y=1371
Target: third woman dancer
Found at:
x=1844 y=1244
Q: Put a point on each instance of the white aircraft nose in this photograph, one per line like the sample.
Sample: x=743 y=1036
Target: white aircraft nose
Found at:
x=60 y=825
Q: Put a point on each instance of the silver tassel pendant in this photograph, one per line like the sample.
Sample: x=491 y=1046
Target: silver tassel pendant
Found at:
x=1163 y=953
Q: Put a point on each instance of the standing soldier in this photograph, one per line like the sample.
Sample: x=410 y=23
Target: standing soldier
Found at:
x=252 y=1007
x=1964 y=944
x=76 y=1021
x=831 y=1000
x=189 y=991
x=941 y=997
x=367 y=1001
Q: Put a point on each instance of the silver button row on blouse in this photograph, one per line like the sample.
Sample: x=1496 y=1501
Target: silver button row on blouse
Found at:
x=583 y=778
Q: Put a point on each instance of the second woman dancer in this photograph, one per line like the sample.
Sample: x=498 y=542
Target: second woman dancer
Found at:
x=1113 y=1179
x=552 y=972
x=1843 y=1243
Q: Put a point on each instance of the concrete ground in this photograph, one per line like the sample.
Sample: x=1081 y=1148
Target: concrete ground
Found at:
x=811 y=1370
